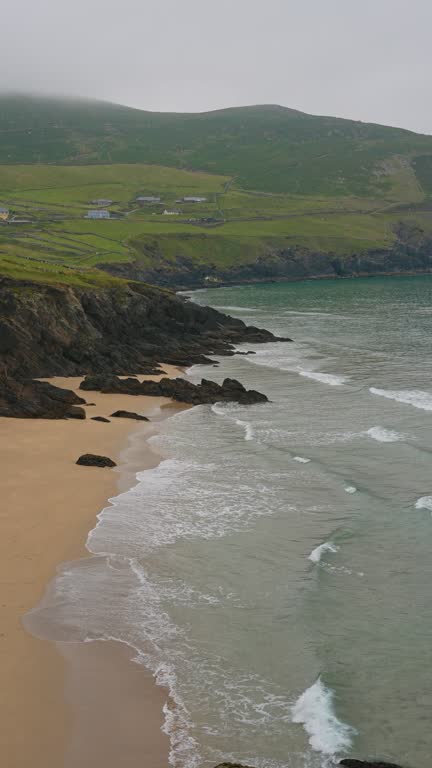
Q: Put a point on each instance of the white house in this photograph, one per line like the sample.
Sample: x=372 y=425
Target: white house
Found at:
x=171 y=213
x=99 y=214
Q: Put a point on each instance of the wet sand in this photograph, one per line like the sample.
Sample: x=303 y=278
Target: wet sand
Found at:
x=48 y=506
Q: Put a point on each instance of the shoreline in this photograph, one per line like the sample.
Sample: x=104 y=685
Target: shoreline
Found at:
x=49 y=506
x=186 y=289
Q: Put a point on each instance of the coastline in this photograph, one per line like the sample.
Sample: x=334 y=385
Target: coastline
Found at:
x=49 y=506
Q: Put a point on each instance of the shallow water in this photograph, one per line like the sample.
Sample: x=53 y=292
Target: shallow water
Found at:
x=274 y=570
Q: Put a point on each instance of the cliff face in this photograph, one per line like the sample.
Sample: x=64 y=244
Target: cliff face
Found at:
x=411 y=253
x=57 y=330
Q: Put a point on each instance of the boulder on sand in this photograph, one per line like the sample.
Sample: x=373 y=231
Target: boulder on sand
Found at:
x=129 y=415
x=101 y=418
x=32 y=399
x=93 y=460
x=207 y=392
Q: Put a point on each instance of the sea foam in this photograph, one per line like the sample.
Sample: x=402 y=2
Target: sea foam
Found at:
x=425 y=502
x=301 y=460
x=325 y=378
x=383 y=435
x=415 y=397
x=314 y=709
x=248 y=429
x=317 y=553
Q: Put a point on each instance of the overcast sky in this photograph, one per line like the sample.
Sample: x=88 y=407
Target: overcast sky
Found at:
x=365 y=59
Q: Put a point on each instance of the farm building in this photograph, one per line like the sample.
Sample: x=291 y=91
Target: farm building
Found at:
x=102 y=202
x=171 y=213
x=149 y=199
x=99 y=214
x=4 y=213
x=194 y=199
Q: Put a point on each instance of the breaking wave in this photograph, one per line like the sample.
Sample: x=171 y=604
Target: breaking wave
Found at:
x=415 y=397
x=317 y=553
x=314 y=709
x=383 y=435
x=325 y=378
x=424 y=503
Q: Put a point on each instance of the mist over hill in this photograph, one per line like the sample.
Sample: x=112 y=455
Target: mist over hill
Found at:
x=265 y=147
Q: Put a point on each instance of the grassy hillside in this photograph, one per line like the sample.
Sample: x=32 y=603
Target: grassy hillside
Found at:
x=275 y=181
x=266 y=148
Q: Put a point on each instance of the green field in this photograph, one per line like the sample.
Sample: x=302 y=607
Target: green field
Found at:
x=273 y=179
x=243 y=225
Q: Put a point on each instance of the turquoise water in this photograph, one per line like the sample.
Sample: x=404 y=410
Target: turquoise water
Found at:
x=274 y=571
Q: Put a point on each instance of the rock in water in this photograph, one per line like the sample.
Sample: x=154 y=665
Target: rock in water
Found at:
x=349 y=763
x=232 y=765
x=207 y=392
x=129 y=415
x=100 y=418
x=92 y=460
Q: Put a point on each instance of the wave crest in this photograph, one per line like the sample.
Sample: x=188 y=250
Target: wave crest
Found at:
x=425 y=502
x=415 y=397
x=382 y=435
x=314 y=709
x=317 y=553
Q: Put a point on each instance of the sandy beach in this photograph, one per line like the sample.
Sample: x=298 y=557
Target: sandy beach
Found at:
x=49 y=504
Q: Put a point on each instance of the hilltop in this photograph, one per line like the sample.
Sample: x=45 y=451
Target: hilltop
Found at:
x=253 y=193
x=267 y=148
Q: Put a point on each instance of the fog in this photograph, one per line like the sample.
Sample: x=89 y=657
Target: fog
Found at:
x=368 y=60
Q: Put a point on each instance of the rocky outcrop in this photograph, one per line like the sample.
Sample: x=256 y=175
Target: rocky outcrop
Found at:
x=38 y=400
x=129 y=415
x=56 y=330
x=183 y=391
x=232 y=765
x=348 y=763
x=49 y=330
x=93 y=460
x=101 y=418
x=409 y=253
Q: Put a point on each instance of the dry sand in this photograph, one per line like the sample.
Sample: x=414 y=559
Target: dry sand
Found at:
x=48 y=505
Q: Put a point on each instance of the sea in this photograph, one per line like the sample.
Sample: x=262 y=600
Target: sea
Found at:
x=274 y=571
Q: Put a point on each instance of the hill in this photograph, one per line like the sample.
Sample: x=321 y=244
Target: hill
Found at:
x=281 y=195
x=268 y=148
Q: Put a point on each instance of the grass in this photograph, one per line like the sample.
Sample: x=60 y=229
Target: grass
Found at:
x=249 y=225
x=266 y=148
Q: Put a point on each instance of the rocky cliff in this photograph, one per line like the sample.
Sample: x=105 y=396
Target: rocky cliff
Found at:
x=48 y=330
x=410 y=253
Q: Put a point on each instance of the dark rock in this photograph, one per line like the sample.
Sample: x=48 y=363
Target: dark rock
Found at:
x=57 y=330
x=408 y=252
x=50 y=330
x=100 y=418
x=349 y=763
x=232 y=765
x=38 y=400
x=92 y=460
x=177 y=389
x=129 y=415
x=110 y=384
